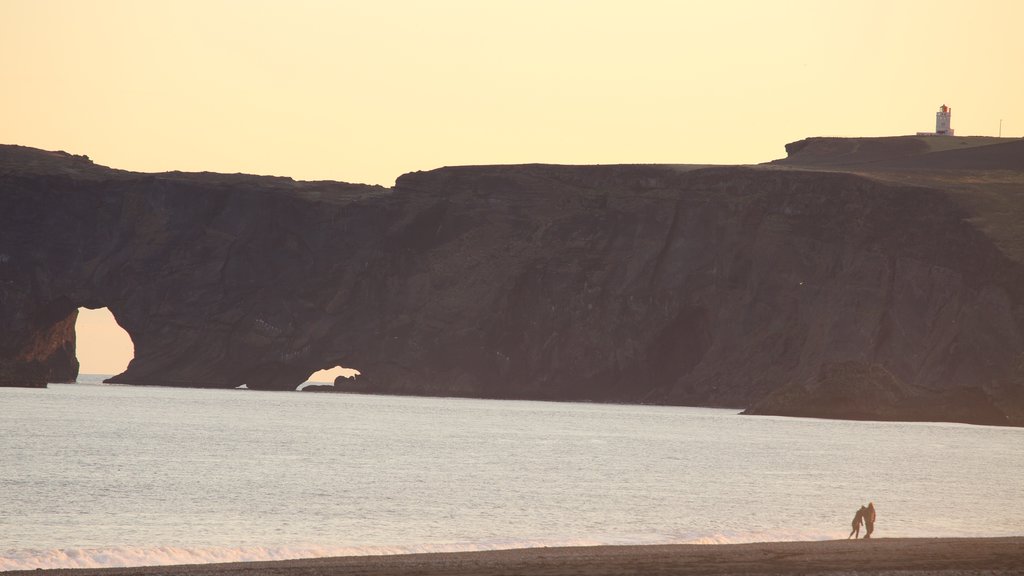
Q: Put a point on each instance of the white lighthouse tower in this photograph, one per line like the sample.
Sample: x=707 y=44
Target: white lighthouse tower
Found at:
x=942 y=119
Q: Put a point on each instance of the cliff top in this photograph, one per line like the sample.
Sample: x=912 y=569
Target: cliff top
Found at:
x=907 y=153
x=984 y=175
x=15 y=159
x=18 y=160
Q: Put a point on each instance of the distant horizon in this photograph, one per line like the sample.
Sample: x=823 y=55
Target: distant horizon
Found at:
x=322 y=381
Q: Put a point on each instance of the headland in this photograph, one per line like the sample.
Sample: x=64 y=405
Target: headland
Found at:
x=874 y=278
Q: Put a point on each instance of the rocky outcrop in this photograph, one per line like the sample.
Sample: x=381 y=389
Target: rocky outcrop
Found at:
x=860 y=391
x=776 y=289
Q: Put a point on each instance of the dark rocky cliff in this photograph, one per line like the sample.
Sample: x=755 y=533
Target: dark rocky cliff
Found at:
x=778 y=289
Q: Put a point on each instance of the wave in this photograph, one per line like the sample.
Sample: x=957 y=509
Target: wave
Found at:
x=129 y=556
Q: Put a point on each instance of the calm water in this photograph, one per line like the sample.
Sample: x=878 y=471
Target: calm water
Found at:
x=114 y=475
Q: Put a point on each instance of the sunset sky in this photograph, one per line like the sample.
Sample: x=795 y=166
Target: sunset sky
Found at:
x=365 y=91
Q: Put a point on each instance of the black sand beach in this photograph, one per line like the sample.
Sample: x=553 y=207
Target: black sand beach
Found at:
x=889 y=556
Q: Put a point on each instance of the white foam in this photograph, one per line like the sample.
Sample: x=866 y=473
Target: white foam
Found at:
x=128 y=556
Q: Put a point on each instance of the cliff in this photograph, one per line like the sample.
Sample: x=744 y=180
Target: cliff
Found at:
x=798 y=288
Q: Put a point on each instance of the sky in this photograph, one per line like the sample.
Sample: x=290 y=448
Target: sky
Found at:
x=366 y=91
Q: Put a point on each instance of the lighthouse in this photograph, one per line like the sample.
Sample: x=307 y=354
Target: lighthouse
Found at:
x=942 y=119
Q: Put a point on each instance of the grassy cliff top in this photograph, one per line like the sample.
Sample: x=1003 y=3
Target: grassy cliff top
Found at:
x=984 y=175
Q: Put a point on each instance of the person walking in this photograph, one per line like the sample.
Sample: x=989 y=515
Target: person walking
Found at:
x=869 y=519
x=858 y=519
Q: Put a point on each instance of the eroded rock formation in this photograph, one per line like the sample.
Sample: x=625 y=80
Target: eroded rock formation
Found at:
x=782 y=290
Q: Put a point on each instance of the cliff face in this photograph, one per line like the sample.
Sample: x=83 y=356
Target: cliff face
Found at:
x=782 y=290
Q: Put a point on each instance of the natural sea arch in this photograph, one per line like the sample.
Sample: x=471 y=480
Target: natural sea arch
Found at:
x=102 y=345
x=330 y=374
x=104 y=348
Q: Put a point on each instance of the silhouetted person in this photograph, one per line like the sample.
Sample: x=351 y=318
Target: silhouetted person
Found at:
x=869 y=519
x=858 y=519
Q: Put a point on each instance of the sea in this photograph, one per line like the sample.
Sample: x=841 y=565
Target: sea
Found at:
x=95 y=475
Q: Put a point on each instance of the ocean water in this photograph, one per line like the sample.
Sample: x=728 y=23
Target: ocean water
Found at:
x=102 y=475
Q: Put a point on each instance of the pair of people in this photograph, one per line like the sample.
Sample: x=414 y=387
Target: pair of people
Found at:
x=865 y=515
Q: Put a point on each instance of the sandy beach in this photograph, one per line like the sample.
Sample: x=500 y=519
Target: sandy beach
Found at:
x=903 y=556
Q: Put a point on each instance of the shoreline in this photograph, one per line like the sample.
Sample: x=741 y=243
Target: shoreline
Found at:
x=909 y=556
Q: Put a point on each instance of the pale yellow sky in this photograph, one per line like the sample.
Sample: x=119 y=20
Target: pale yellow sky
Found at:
x=365 y=91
